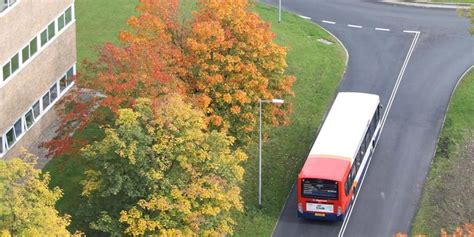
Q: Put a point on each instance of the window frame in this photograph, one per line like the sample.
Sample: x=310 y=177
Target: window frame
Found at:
x=9 y=6
x=34 y=113
x=40 y=41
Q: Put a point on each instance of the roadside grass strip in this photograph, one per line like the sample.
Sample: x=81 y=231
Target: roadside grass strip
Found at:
x=447 y=197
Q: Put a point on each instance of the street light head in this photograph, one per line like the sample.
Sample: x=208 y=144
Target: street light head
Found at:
x=277 y=101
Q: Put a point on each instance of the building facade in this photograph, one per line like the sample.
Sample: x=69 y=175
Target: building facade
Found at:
x=37 y=64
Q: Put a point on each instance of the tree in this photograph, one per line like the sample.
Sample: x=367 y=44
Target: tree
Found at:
x=26 y=202
x=147 y=63
x=234 y=62
x=162 y=171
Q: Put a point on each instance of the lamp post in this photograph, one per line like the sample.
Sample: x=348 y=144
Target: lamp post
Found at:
x=279 y=11
x=260 y=102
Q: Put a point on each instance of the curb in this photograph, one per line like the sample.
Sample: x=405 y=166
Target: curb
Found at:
x=450 y=6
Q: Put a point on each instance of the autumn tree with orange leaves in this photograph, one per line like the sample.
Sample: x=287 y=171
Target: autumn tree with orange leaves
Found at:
x=234 y=62
x=224 y=61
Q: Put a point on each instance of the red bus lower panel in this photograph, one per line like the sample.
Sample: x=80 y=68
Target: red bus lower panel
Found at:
x=318 y=216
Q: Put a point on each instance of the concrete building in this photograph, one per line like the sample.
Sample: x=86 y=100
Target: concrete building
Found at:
x=37 y=63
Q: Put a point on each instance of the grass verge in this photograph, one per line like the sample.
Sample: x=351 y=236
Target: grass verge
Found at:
x=447 y=200
x=318 y=68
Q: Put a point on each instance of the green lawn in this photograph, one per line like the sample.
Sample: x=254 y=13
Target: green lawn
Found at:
x=447 y=198
x=99 y=21
x=318 y=68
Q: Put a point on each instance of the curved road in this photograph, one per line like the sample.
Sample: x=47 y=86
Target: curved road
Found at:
x=415 y=73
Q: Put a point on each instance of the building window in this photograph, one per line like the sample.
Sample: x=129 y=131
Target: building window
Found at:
x=10 y=137
x=15 y=63
x=53 y=92
x=68 y=15
x=29 y=119
x=61 y=22
x=25 y=53
x=62 y=84
x=40 y=41
x=36 y=109
x=44 y=37
x=33 y=114
x=18 y=128
x=1 y=145
x=4 y=4
x=33 y=46
x=46 y=101
x=51 y=31
x=69 y=76
x=6 y=71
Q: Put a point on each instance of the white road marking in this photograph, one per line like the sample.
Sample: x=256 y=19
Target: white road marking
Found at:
x=305 y=17
x=354 y=26
x=329 y=22
x=387 y=110
x=411 y=31
x=382 y=29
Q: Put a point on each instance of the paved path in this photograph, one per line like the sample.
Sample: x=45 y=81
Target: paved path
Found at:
x=413 y=58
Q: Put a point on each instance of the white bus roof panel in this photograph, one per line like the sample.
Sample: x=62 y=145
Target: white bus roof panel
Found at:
x=345 y=125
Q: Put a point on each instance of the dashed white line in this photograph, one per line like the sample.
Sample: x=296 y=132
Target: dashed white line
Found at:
x=384 y=118
x=382 y=29
x=329 y=22
x=305 y=17
x=411 y=31
x=354 y=26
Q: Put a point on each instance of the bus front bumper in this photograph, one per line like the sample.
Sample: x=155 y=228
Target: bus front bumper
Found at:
x=319 y=216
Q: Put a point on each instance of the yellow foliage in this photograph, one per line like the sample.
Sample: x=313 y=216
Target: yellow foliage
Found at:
x=27 y=205
x=190 y=174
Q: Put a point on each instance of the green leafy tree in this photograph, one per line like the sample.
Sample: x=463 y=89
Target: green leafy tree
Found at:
x=26 y=202
x=160 y=171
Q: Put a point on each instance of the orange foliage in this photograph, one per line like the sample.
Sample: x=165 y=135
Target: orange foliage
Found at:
x=235 y=62
x=148 y=64
x=224 y=61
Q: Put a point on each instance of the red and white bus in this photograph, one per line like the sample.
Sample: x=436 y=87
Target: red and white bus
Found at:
x=330 y=177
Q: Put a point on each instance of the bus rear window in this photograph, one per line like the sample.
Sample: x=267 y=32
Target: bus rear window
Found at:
x=319 y=188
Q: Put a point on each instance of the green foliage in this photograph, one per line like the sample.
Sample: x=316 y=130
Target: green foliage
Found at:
x=26 y=202
x=160 y=171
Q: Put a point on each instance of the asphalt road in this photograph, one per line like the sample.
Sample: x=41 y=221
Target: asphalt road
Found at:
x=442 y=51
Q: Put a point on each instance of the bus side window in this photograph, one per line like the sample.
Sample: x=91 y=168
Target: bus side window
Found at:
x=346 y=186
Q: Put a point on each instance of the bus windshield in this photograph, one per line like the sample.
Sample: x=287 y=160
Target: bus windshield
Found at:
x=319 y=188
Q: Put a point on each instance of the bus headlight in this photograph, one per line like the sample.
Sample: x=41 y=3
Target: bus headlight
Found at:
x=339 y=210
x=300 y=207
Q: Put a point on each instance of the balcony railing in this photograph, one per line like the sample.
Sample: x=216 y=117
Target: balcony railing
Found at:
x=5 y=4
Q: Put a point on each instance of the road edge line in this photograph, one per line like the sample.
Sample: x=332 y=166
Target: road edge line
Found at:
x=384 y=118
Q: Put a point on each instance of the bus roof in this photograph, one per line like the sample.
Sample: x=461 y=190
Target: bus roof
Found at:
x=325 y=167
x=345 y=126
